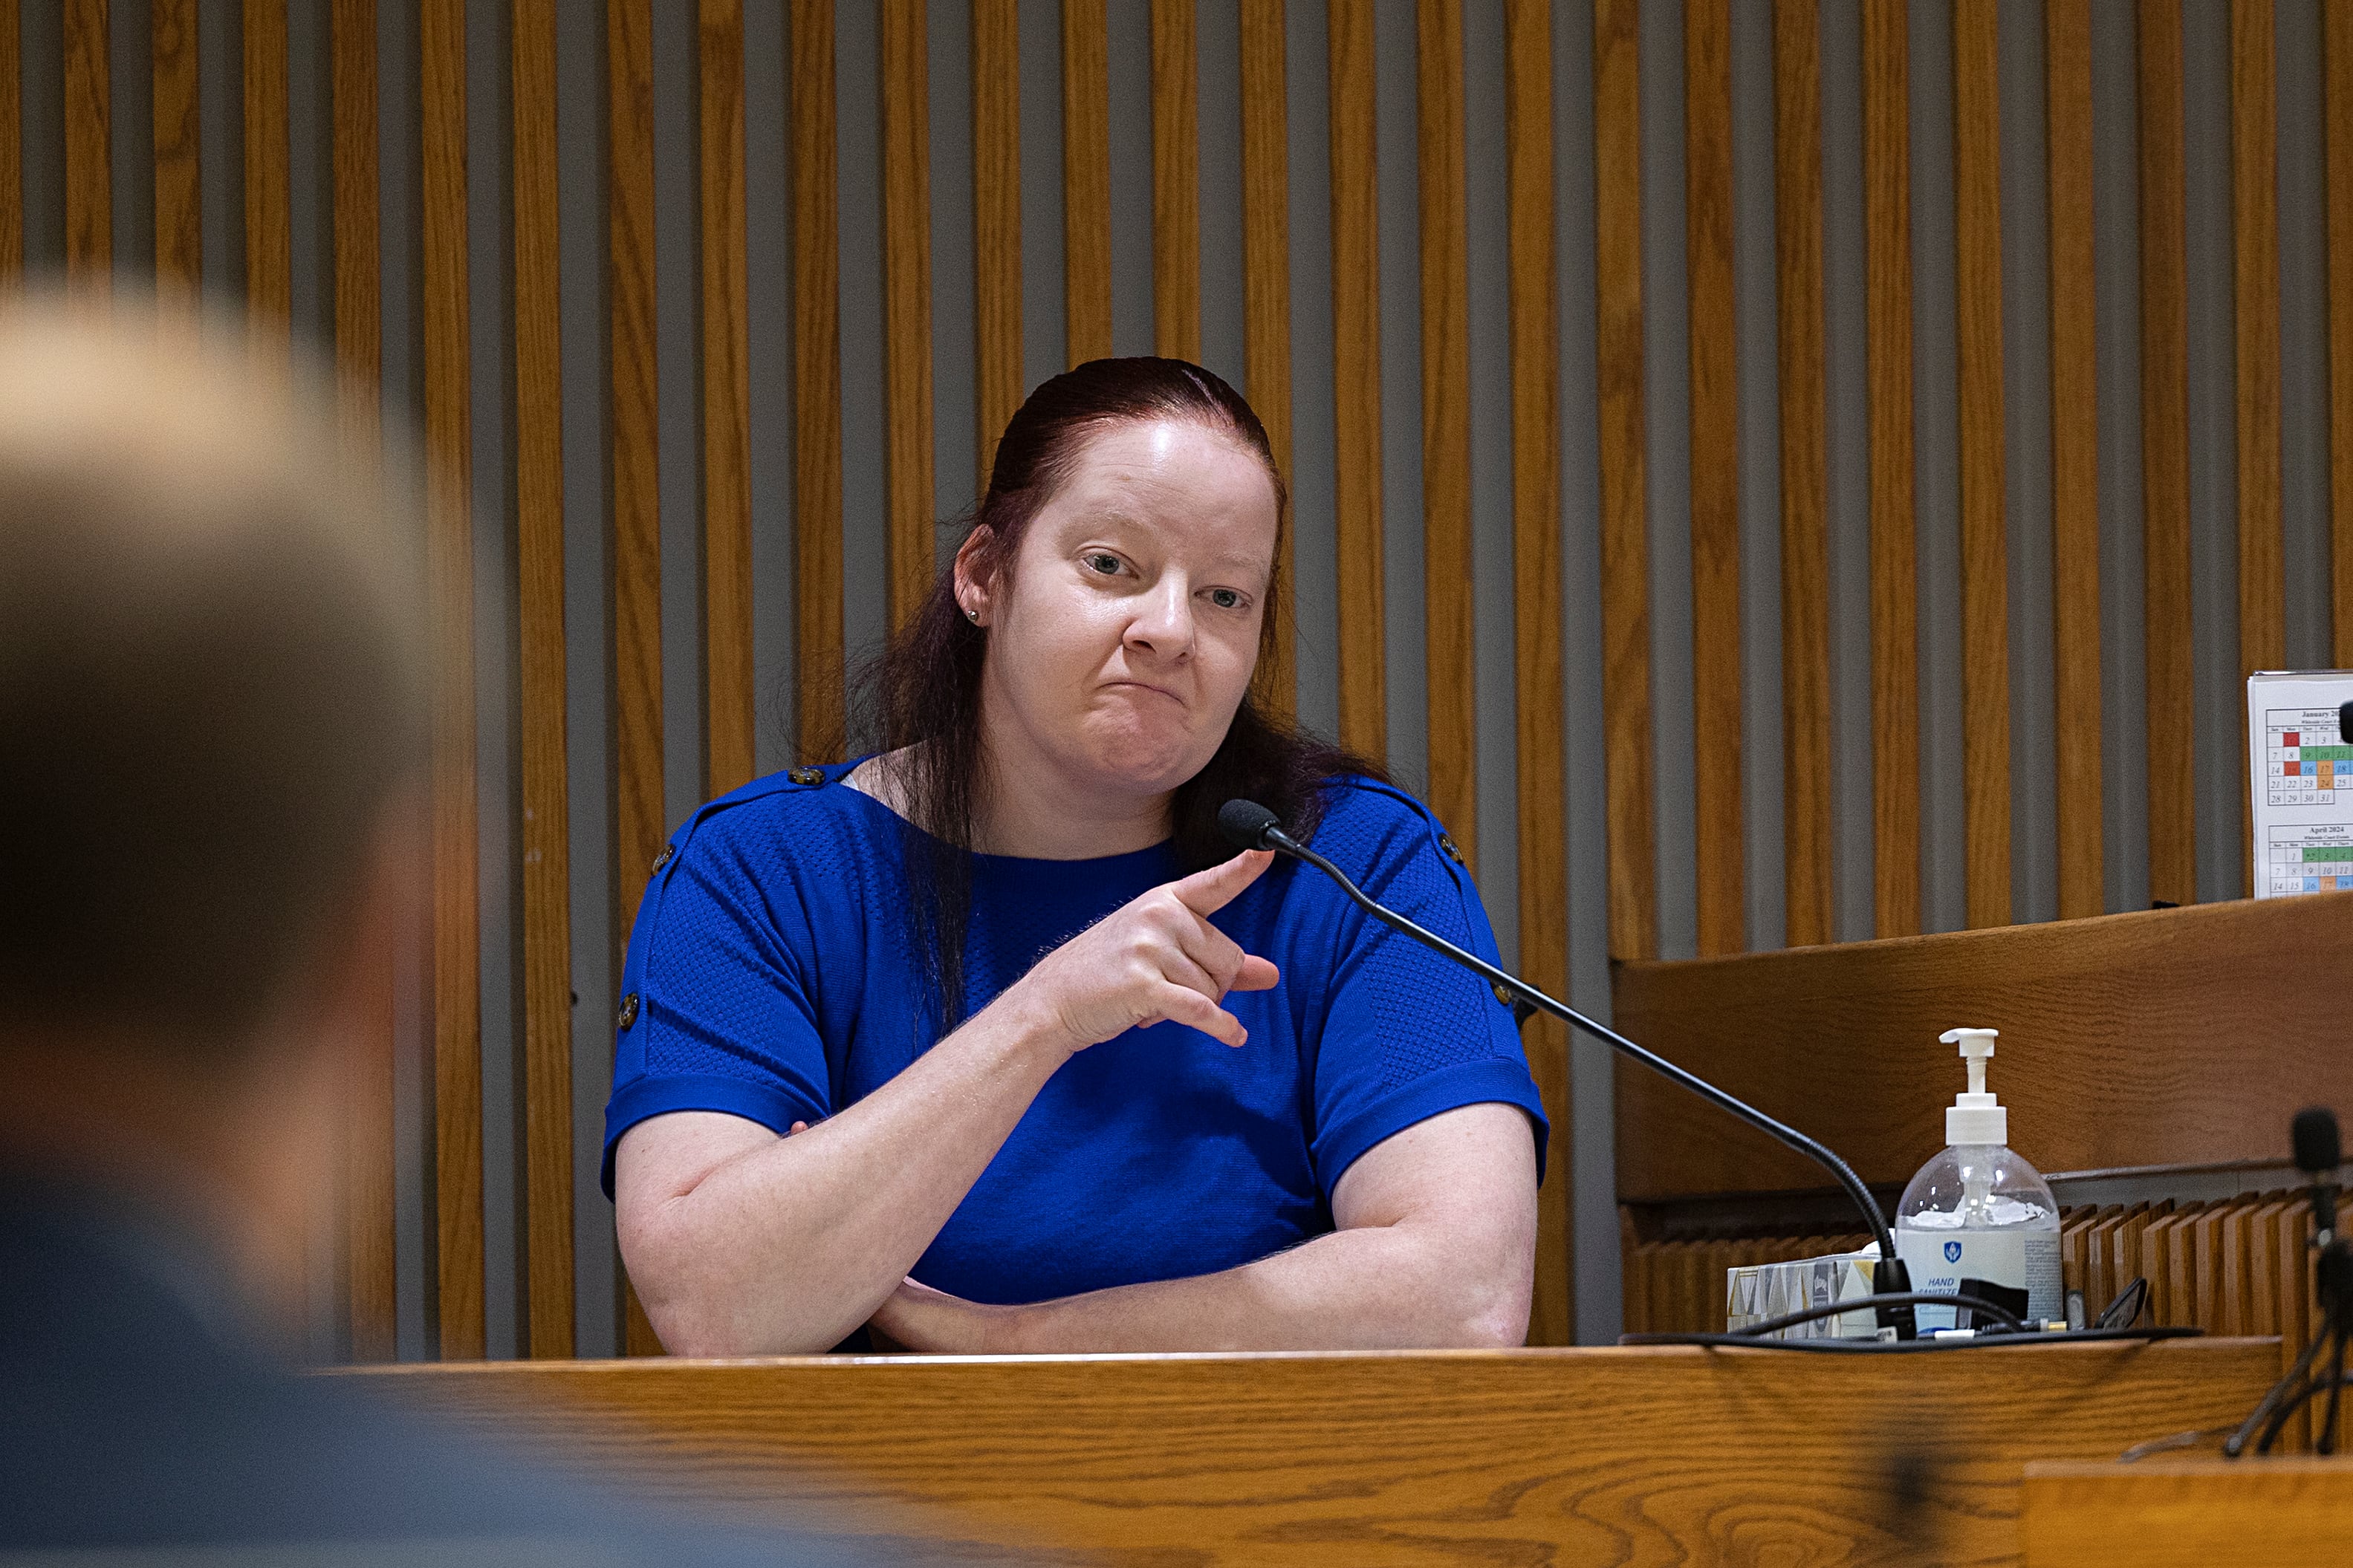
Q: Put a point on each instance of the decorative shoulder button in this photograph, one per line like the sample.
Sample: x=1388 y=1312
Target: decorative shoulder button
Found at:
x=629 y=1010
x=1446 y=842
x=806 y=775
x=1503 y=995
x=670 y=853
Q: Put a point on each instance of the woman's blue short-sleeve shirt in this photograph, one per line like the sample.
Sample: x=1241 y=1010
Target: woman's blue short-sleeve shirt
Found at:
x=771 y=975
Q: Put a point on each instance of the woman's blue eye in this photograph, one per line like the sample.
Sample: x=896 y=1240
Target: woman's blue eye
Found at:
x=1225 y=598
x=1105 y=564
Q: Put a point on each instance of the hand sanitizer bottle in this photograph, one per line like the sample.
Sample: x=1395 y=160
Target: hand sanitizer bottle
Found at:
x=1978 y=1211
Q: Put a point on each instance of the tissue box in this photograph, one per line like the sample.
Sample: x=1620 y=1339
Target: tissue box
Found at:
x=1760 y=1292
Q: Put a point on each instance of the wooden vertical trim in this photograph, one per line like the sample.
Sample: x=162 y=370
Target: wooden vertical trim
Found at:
x=2254 y=204
x=449 y=543
x=269 y=237
x=548 y=1318
x=1715 y=477
x=998 y=379
x=1086 y=179
x=907 y=303
x=370 y=1250
x=1625 y=549
x=179 y=210
x=2074 y=459
x=1266 y=305
x=88 y=139
x=730 y=691
x=2338 y=22
x=1357 y=378
x=1176 y=181
x=1984 y=582
x=12 y=149
x=1540 y=752
x=1894 y=560
x=816 y=383
x=2165 y=457
x=1446 y=565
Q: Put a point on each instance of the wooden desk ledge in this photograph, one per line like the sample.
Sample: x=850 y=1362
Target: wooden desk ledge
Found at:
x=2173 y=1513
x=1664 y=1455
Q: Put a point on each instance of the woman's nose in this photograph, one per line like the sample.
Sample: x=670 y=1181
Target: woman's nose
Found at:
x=1164 y=622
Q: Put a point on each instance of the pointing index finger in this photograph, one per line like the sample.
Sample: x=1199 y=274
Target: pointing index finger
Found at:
x=1206 y=892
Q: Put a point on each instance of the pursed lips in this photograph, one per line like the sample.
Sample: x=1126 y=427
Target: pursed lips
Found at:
x=1144 y=686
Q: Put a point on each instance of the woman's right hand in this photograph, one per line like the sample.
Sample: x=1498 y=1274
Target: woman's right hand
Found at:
x=1156 y=957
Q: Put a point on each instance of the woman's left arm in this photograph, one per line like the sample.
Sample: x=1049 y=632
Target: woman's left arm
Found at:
x=1435 y=1246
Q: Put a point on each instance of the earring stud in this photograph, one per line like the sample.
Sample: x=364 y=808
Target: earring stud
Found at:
x=972 y=615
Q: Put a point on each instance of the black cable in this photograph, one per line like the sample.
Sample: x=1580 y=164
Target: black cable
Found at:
x=2294 y=1379
x=2007 y=1319
x=2287 y=1412
x=1912 y=1347
x=2326 y=1443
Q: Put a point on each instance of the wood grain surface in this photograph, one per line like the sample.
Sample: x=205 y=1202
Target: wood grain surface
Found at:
x=906 y=306
x=1086 y=180
x=818 y=670
x=179 y=205
x=1176 y=181
x=1985 y=568
x=1266 y=306
x=998 y=380
x=2074 y=457
x=88 y=139
x=2337 y=22
x=2186 y=1513
x=1356 y=380
x=730 y=683
x=1447 y=582
x=1624 y=465
x=268 y=219
x=1895 y=556
x=1636 y=1457
x=2165 y=458
x=1718 y=881
x=450 y=564
x=1541 y=752
x=2255 y=287
x=11 y=145
x=2160 y=1037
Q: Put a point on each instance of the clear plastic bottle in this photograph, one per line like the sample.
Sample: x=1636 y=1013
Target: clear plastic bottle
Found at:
x=1978 y=1211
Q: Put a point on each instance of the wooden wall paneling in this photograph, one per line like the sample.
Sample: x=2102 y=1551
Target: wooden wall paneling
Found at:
x=2337 y=41
x=1715 y=477
x=1356 y=379
x=998 y=379
x=1625 y=552
x=12 y=150
x=1446 y=568
x=2255 y=210
x=2165 y=457
x=907 y=304
x=730 y=682
x=2075 y=456
x=1266 y=302
x=179 y=214
x=370 y=1261
x=88 y=139
x=548 y=1316
x=268 y=235
x=1176 y=181
x=1086 y=180
x=1894 y=559
x=449 y=544
x=817 y=385
x=1540 y=750
x=1985 y=577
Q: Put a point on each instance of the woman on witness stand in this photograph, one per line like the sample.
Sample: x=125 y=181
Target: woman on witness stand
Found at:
x=987 y=1043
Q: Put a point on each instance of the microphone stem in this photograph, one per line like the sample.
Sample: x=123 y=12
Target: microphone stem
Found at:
x=1780 y=1132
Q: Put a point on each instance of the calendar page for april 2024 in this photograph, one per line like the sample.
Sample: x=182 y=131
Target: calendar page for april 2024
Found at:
x=2303 y=767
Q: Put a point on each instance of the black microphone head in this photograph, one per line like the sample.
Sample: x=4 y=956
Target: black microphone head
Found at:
x=1244 y=823
x=2317 y=1151
x=2345 y=724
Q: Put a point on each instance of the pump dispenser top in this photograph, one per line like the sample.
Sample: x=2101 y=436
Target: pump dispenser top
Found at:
x=1975 y=1115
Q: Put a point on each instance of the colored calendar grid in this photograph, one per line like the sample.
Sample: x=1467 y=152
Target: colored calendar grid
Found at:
x=2297 y=864
x=2299 y=769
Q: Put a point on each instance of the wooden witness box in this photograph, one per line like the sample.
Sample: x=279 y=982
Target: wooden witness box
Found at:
x=1572 y=1457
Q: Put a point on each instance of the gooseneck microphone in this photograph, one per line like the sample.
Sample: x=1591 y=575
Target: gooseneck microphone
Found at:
x=1247 y=825
x=2319 y=1152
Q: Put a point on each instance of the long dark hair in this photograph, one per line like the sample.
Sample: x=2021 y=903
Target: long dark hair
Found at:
x=921 y=695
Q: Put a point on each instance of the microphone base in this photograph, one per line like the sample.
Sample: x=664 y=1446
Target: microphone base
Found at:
x=1889 y=1277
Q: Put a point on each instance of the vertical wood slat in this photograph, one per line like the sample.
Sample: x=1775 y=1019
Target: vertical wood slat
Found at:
x=1625 y=562
x=730 y=684
x=2338 y=22
x=549 y=1317
x=2165 y=454
x=12 y=151
x=88 y=134
x=449 y=543
x=1540 y=751
x=1805 y=473
x=2074 y=457
x=269 y=237
x=997 y=377
x=1894 y=559
x=2254 y=203
x=1446 y=565
x=1715 y=478
x=816 y=383
x=1086 y=179
x=1176 y=181
x=370 y=1267
x=179 y=213
x=1985 y=584
x=1266 y=302
x=907 y=304
x=1356 y=379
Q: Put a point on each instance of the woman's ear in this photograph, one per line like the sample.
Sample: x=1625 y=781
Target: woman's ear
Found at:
x=973 y=588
